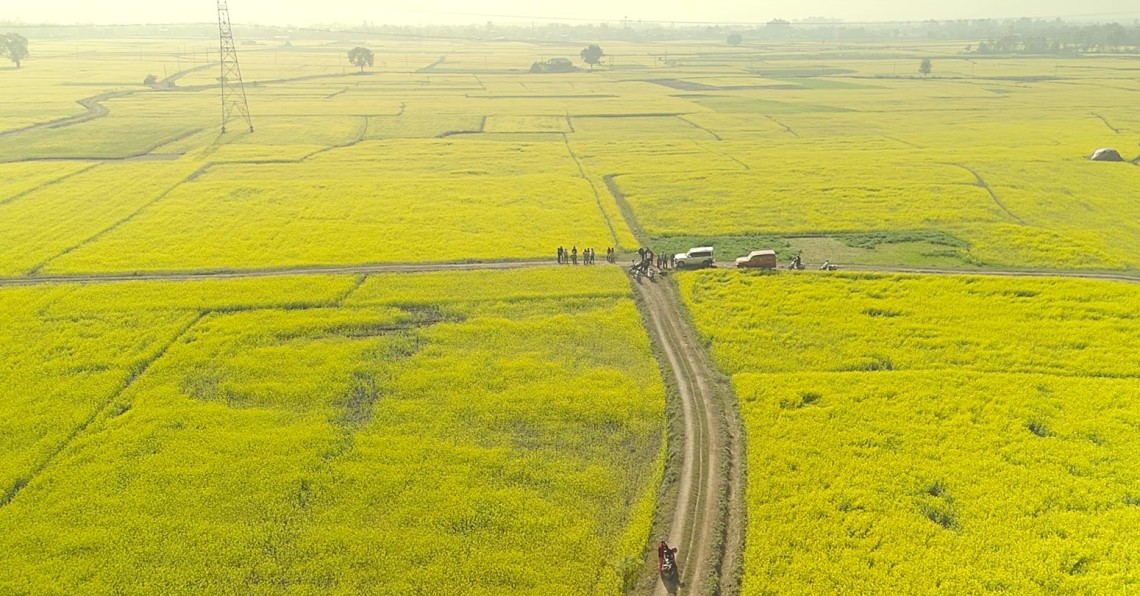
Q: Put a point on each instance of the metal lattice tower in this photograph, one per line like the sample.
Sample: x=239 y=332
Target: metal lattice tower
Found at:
x=234 y=104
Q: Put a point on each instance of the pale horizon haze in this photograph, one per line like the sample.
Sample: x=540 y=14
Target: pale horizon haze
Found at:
x=413 y=12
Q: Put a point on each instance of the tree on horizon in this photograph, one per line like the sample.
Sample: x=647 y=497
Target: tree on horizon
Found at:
x=361 y=57
x=15 y=47
x=592 y=55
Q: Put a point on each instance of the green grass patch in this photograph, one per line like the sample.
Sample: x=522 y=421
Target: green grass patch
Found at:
x=871 y=240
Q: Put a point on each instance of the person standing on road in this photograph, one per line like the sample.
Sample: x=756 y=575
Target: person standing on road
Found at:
x=560 y=251
x=574 y=255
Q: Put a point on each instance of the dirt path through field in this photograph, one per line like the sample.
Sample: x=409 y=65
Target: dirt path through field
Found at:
x=275 y=272
x=703 y=524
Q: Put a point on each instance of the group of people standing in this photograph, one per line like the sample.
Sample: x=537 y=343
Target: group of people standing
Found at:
x=648 y=257
x=570 y=257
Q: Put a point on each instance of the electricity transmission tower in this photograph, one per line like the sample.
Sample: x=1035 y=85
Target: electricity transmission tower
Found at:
x=234 y=104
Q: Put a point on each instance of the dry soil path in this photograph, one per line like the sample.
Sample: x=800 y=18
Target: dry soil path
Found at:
x=703 y=524
x=275 y=272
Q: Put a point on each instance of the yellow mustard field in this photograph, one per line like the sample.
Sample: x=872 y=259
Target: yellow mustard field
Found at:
x=329 y=434
x=504 y=431
x=918 y=435
x=691 y=143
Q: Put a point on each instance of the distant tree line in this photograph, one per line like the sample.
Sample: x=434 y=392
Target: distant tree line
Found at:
x=999 y=36
x=1109 y=38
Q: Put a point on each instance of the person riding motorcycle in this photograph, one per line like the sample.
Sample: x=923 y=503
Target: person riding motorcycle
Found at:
x=666 y=559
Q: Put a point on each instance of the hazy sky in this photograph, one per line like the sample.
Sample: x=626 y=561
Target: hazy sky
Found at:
x=353 y=12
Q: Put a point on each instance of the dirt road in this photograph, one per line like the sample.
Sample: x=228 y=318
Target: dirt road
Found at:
x=274 y=272
x=706 y=524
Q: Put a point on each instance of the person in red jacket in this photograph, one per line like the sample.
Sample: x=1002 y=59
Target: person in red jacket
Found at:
x=665 y=553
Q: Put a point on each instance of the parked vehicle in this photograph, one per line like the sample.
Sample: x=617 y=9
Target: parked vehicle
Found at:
x=695 y=258
x=758 y=259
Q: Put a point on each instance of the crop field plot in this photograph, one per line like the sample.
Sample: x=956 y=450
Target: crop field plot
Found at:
x=422 y=126
x=224 y=222
x=486 y=204
x=884 y=128
x=949 y=434
x=110 y=137
x=55 y=219
x=674 y=129
x=17 y=179
x=68 y=350
x=527 y=124
x=294 y=439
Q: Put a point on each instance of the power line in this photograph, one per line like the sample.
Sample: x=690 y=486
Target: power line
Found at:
x=234 y=103
x=562 y=19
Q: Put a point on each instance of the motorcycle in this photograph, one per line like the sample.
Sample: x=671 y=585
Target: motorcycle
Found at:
x=667 y=563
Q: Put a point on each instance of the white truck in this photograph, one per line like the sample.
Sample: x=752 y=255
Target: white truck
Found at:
x=694 y=259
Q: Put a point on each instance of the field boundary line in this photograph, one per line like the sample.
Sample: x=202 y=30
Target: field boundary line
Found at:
x=704 y=147
x=366 y=269
x=593 y=187
x=625 y=208
x=134 y=373
x=786 y=128
x=35 y=270
x=907 y=143
x=147 y=154
x=981 y=182
x=919 y=271
x=1106 y=123
x=427 y=69
x=94 y=105
x=340 y=300
x=361 y=135
x=682 y=118
x=18 y=196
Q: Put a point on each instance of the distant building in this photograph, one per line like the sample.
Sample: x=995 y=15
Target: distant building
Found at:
x=554 y=65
